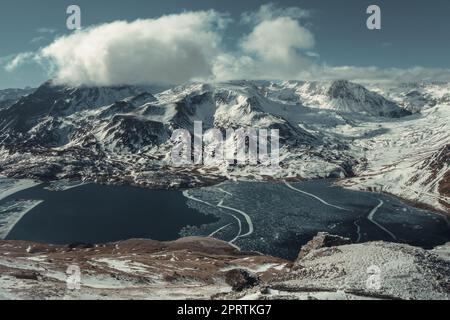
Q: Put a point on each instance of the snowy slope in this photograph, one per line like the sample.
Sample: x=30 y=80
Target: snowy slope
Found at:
x=205 y=268
x=409 y=158
x=10 y=96
x=374 y=270
x=342 y=96
x=415 y=97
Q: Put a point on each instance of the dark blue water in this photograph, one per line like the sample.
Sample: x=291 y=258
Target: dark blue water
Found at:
x=98 y=214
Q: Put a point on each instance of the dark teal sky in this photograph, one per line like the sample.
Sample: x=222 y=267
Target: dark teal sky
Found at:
x=414 y=33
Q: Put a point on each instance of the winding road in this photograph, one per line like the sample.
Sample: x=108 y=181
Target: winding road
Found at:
x=218 y=230
x=242 y=217
x=313 y=196
x=244 y=214
x=358 y=231
x=220 y=205
x=371 y=218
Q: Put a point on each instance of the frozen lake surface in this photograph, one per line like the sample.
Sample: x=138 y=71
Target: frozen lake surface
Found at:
x=271 y=218
x=278 y=218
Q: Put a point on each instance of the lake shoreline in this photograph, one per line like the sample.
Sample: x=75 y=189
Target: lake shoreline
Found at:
x=219 y=180
x=241 y=234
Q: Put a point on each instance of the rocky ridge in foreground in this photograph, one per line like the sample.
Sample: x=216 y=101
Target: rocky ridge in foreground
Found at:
x=205 y=268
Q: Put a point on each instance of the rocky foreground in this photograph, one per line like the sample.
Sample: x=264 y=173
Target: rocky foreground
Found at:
x=328 y=267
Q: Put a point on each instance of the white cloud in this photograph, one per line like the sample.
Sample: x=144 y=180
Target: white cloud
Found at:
x=18 y=60
x=183 y=47
x=186 y=47
x=278 y=40
x=271 y=11
x=375 y=74
x=46 y=30
x=38 y=39
x=278 y=47
x=171 y=49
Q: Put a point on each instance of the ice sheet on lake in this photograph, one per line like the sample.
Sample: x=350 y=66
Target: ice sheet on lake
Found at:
x=9 y=187
x=11 y=213
x=283 y=219
x=64 y=185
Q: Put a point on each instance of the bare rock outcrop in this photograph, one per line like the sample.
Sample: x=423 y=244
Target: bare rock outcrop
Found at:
x=241 y=279
x=322 y=240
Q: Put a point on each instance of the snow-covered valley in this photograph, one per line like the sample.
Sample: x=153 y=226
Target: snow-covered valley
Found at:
x=391 y=139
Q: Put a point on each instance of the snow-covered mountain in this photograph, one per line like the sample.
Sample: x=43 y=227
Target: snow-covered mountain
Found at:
x=328 y=129
x=415 y=96
x=342 y=96
x=10 y=96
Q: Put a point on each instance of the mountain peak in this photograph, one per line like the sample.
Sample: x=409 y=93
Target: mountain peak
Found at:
x=346 y=96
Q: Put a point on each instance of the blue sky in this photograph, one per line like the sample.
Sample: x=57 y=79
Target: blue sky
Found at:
x=414 y=33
